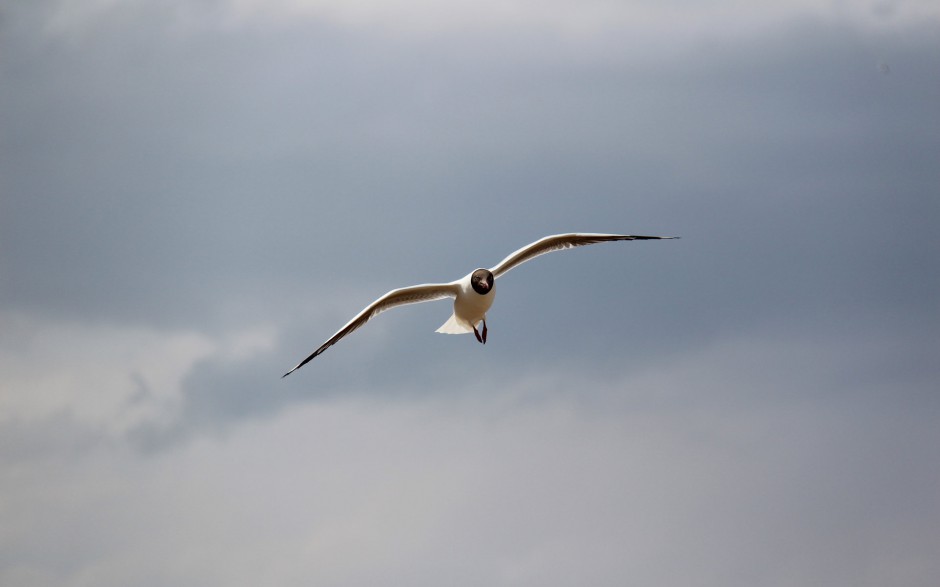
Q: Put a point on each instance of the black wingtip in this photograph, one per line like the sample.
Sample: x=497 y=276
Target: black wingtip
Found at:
x=301 y=364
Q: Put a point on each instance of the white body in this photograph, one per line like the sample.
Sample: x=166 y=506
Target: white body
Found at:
x=469 y=308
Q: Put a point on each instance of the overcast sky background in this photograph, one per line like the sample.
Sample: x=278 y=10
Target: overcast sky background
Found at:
x=194 y=195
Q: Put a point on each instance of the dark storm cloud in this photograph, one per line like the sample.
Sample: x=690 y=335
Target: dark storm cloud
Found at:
x=166 y=177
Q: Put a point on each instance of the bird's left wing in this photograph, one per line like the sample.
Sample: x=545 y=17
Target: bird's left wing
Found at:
x=558 y=242
x=397 y=297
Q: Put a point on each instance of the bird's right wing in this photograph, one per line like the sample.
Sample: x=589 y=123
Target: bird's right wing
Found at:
x=397 y=297
x=558 y=242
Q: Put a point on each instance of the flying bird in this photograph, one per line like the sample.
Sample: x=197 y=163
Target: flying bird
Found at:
x=473 y=295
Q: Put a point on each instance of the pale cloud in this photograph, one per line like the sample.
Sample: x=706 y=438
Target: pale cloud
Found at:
x=108 y=377
x=679 y=19
x=577 y=18
x=668 y=484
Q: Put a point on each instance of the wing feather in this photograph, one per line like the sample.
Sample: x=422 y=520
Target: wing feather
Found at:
x=559 y=242
x=397 y=297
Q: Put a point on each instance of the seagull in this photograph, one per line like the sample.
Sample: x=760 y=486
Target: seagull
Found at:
x=473 y=295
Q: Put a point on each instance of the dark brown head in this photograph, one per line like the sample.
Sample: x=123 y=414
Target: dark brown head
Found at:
x=482 y=281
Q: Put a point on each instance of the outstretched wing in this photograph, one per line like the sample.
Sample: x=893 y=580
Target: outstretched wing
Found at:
x=397 y=297
x=558 y=242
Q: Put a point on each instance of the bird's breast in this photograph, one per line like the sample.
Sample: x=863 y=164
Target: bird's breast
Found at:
x=471 y=305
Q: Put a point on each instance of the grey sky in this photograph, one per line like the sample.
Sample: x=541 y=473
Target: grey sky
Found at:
x=194 y=195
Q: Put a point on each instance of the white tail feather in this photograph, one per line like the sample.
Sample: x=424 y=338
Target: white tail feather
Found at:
x=454 y=326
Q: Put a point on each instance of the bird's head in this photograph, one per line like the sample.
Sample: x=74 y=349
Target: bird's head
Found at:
x=482 y=281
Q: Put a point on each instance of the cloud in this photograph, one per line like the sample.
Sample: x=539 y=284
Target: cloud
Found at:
x=664 y=478
x=194 y=195
x=567 y=18
x=224 y=165
x=229 y=184
x=83 y=384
